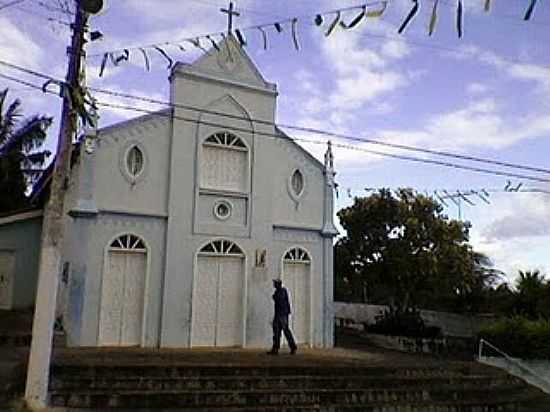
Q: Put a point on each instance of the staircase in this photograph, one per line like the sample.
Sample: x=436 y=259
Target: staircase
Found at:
x=311 y=381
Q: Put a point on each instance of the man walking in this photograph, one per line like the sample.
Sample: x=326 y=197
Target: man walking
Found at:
x=280 y=319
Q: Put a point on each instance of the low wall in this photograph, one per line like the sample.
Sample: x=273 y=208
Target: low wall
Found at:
x=355 y=315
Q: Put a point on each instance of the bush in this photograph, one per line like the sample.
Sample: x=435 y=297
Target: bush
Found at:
x=408 y=324
x=520 y=337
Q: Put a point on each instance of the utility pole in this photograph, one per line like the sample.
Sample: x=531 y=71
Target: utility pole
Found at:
x=36 y=392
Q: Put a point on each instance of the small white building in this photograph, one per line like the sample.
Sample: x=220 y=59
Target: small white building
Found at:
x=178 y=221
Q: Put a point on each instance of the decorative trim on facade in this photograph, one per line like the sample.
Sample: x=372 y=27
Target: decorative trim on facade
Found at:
x=296 y=235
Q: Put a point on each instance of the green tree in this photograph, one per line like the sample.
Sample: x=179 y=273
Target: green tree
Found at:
x=532 y=292
x=406 y=253
x=20 y=154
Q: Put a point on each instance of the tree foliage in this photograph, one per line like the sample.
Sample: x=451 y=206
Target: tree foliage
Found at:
x=20 y=156
x=401 y=250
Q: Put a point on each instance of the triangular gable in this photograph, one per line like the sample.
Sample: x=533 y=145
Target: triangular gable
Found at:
x=308 y=155
x=230 y=61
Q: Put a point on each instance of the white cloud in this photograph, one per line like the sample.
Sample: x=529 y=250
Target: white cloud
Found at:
x=17 y=46
x=481 y=123
x=476 y=88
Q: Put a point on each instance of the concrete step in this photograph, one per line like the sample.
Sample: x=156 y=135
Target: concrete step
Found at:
x=161 y=370
x=270 y=398
x=275 y=383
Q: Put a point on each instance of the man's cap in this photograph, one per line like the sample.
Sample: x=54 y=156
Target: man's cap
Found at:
x=277 y=281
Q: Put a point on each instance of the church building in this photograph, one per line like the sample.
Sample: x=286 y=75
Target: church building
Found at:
x=177 y=222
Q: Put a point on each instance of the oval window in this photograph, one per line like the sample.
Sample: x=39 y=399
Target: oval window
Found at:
x=134 y=161
x=297 y=183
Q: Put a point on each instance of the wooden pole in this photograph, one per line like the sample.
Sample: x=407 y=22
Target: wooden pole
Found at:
x=36 y=392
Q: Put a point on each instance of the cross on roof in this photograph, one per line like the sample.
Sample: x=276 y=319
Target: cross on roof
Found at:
x=230 y=13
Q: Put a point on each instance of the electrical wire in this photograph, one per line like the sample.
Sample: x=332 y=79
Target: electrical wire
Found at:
x=340 y=145
x=309 y=141
x=10 y=4
x=297 y=128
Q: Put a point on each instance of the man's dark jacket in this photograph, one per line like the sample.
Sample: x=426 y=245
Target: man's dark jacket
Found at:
x=282 y=305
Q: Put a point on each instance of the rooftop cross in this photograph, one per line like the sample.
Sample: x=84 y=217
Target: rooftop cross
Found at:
x=230 y=13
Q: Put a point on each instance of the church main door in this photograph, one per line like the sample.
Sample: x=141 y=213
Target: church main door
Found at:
x=218 y=296
x=296 y=278
x=122 y=297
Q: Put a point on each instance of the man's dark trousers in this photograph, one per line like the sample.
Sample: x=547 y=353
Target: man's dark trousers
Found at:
x=280 y=324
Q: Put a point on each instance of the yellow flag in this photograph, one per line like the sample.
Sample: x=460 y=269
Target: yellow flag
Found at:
x=379 y=12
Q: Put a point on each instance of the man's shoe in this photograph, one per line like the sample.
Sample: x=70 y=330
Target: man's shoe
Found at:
x=272 y=352
x=293 y=351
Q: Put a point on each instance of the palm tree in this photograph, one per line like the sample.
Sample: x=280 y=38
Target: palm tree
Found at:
x=21 y=159
x=530 y=287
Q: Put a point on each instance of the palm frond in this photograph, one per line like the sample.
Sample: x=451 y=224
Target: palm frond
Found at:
x=29 y=136
x=9 y=118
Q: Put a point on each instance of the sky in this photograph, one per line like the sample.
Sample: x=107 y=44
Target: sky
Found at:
x=486 y=94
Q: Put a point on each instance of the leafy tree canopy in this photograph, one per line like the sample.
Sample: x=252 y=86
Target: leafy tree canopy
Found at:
x=401 y=250
x=20 y=156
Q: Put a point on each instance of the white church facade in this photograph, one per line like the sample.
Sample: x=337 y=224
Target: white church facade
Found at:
x=179 y=220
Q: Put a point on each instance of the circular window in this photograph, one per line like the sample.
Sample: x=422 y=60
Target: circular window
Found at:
x=134 y=161
x=222 y=209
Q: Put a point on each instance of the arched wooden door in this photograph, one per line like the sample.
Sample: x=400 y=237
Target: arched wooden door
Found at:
x=122 y=292
x=297 y=280
x=218 y=296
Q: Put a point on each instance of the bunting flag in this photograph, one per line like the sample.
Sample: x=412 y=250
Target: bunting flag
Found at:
x=103 y=64
x=295 y=33
x=379 y=12
x=165 y=55
x=459 y=18
x=433 y=18
x=333 y=24
x=355 y=21
x=530 y=10
x=318 y=20
x=146 y=59
x=213 y=42
x=240 y=37
x=264 y=37
x=410 y=16
x=278 y=27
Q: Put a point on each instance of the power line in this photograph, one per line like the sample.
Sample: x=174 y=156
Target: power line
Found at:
x=329 y=134
x=298 y=128
x=13 y=3
x=310 y=141
x=341 y=145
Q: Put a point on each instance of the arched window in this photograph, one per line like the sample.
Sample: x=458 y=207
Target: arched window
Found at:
x=224 y=163
x=222 y=247
x=128 y=242
x=297 y=255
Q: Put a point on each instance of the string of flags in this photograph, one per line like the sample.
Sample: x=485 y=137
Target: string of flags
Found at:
x=327 y=21
x=456 y=196
x=459 y=20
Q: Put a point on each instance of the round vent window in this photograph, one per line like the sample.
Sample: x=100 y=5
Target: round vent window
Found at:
x=222 y=210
